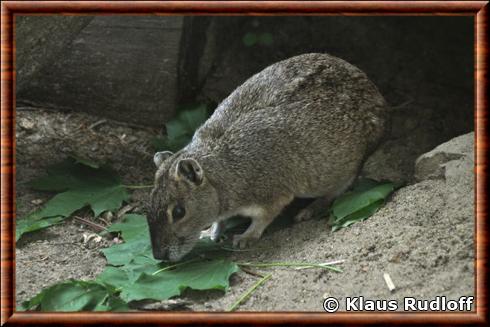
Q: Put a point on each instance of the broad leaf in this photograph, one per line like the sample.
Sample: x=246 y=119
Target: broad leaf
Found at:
x=360 y=203
x=75 y=295
x=113 y=303
x=357 y=216
x=181 y=129
x=193 y=119
x=27 y=225
x=82 y=186
x=99 y=198
x=151 y=284
x=124 y=253
x=134 y=230
x=132 y=227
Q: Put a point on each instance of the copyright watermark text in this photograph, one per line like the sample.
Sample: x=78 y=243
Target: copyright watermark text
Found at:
x=410 y=304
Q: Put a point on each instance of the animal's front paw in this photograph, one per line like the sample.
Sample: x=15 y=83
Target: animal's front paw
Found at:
x=213 y=232
x=243 y=241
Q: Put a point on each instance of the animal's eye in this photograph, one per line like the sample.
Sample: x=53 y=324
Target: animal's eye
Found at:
x=178 y=212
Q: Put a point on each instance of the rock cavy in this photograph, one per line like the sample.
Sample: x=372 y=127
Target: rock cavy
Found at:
x=302 y=127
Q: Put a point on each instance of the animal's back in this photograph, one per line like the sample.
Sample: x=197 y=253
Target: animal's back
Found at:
x=302 y=79
x=308 y=120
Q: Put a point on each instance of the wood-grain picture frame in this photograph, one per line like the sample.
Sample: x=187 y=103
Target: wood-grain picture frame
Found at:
x=476 y=9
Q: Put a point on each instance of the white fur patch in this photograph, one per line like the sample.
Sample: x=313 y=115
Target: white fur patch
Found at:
x=251 y=211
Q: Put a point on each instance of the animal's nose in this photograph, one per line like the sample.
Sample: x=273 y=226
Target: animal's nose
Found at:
x=160 y=254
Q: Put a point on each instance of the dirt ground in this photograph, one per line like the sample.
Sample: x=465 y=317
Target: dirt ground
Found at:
x=423 y=237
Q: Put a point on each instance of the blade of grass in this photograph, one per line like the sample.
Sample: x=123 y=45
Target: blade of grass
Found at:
x=135 y=187
x=175 y=265
x=249 y=292
x=329 y=263
x=288 y=264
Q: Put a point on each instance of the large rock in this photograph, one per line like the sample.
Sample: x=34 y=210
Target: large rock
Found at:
x=417 y=134
x=448 y=161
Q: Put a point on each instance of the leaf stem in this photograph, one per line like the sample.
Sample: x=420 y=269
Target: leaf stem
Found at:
x=135 y=187
x=249 y=292
x=289 y=264
x=251 y=272
x=98 y=228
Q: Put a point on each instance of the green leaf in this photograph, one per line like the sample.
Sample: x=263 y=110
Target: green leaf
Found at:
x=99 y=198
x=249 y=39
x=114 y=276
x=266 y=39
x=113 y=304
x=75 y=295
x=124 y=253
x=34 y=303
x=132 y=227
x=120 y=277
x=202 y=275
x=82 y=185
x=176 y=129
x=357 y=200
x=194 y=118
x=360 y=203
x=186 y=122
x=181 y=129
x=357 y=216
x=134 y=230
x=27 y=225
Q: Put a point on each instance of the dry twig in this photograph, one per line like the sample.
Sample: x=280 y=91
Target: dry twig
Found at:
x=95 y=226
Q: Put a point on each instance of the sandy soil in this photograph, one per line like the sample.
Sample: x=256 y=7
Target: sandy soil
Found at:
x=423 y=237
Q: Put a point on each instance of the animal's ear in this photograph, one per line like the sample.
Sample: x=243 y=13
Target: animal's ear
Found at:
x=191 y=170
x=160 y=157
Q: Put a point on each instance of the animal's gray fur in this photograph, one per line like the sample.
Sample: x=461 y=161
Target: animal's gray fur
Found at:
x=302 y=127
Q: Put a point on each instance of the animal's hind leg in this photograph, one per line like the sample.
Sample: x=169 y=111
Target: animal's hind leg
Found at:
x=253 y=233
x=317 y=208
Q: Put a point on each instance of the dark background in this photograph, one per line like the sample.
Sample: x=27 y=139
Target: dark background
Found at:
x=142 y=69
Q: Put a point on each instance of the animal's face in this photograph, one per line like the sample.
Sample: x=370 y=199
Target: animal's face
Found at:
x=182 y=204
